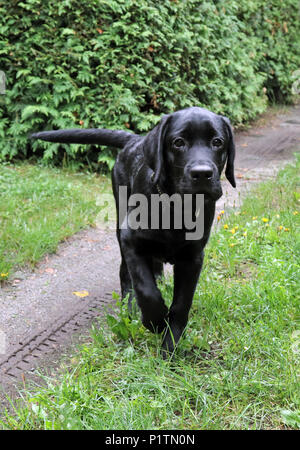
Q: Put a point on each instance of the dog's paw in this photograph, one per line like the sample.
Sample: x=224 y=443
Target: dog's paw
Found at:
x=155 y=325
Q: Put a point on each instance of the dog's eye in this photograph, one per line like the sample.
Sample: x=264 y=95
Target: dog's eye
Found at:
x=178 y=143
x=217 y=142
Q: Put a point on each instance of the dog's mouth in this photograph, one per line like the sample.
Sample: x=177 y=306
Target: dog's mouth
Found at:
x=214 y=195
x=202 y=178
x=213 y=192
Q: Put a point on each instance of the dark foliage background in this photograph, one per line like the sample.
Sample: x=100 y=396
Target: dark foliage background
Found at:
x=123 y=63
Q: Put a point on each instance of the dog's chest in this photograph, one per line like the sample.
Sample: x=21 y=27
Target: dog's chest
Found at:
x=165 y=246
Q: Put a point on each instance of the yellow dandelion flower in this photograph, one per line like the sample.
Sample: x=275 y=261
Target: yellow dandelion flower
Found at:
x=286 y=229
x=232 y=230
x=236 y=227
x=254 y=218
x=295 y=213
x=225 y=226
x=222 y=212
x=267 y=224
x=264 y=219
x=280 y=227
x=4 y=274
x=219 y=218
x=245 y=234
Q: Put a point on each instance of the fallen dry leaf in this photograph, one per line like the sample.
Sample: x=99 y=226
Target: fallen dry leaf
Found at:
x=81 y=293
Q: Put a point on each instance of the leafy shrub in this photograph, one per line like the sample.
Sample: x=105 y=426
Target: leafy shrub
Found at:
x=123 y=63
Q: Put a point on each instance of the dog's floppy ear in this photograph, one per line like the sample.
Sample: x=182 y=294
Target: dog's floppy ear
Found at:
x=229 y=172
x=153 y=147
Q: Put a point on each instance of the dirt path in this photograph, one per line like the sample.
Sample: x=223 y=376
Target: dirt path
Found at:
x=39 y=313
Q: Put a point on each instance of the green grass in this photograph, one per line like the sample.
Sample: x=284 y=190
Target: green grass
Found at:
x=39 y=207
x=235 y=368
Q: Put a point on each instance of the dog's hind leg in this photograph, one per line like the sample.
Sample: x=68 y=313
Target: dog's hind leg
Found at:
x=158 y=268
x=125 y=280
x=126 y=284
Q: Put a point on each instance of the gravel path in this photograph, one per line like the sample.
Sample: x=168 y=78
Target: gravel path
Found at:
x=35 y=301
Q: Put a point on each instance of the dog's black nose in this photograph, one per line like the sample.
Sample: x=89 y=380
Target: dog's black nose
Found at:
x=201 y=172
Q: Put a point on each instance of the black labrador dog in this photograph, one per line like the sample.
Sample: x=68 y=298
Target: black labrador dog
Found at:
x=184 y=154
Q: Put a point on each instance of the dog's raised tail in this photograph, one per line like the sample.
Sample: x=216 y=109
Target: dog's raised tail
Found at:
x=100 y=136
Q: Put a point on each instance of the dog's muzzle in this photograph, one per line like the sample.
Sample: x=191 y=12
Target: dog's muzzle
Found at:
x=203 y=178
x=200 y=173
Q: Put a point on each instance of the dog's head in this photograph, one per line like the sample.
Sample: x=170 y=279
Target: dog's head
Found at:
x=188 y=150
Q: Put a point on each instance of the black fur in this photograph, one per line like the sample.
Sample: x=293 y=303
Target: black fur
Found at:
x=185 y=154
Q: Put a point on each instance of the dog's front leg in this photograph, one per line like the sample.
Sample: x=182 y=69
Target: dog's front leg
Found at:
x=148 y=296
x=186 y=275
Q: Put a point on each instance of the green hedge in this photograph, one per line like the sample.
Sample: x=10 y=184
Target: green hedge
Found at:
x=123 y=63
